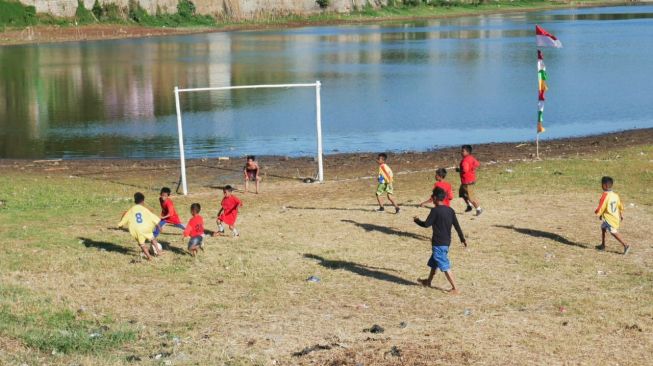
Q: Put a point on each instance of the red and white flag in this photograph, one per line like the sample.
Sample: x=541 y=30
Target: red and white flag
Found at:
x=546 y=39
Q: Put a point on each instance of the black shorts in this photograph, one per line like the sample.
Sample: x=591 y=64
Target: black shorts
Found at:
x=251 y=175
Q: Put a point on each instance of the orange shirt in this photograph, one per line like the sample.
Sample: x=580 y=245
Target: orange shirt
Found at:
x=446 y=187
x=195 y=227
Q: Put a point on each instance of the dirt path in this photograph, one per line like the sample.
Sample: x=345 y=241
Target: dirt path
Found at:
x=209 y=173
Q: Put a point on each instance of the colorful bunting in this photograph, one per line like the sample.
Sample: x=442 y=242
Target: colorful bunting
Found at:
x=542 y=88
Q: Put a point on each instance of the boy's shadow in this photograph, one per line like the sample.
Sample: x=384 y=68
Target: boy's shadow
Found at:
x=542 y=234
x=166 y=246
x=360 y=269
x=387 y=230
x=109 y=247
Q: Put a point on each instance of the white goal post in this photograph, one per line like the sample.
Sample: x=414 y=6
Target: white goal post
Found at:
x=318 y=121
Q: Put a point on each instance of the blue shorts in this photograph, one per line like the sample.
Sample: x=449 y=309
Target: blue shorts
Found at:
x=440 y=258
x=608 y=227
x=194 y=242
x=162 y=224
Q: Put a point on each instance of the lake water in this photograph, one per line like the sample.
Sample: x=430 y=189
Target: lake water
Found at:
x=410 y=85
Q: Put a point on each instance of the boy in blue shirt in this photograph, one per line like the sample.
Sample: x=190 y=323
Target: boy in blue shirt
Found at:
x=441 y=218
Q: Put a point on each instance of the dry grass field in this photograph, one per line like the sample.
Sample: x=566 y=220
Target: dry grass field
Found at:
x=75 y=291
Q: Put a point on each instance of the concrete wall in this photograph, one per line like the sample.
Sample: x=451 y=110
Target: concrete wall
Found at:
x=234 y=9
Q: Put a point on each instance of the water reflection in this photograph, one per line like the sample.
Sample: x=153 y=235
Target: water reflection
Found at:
x=114 y=98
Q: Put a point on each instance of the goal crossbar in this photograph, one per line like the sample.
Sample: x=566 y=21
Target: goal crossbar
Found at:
x=318 y=121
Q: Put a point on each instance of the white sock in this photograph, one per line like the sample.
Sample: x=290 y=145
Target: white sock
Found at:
x=235 y=232
x=220 y=228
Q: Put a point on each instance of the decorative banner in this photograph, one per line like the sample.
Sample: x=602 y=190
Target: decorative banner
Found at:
x=540 y=118
x=542 y=88
x=546 y=39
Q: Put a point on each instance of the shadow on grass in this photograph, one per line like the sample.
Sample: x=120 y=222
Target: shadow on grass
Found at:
x=360 y=269
x=109 y=247
x=166 y=246
x=387 y=230
x=543 y=234
x=328 y=208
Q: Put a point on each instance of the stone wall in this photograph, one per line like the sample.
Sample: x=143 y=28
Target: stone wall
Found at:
x=233 y=9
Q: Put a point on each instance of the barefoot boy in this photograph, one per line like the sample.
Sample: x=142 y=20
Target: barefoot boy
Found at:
x=440 y=174
x=195 y=229
x=168 y=212
x=251 y=172
x=385 y=179
x=467 y=170
x=441 y=218
x=141 y=222
x=228 y=211
x=610 y=212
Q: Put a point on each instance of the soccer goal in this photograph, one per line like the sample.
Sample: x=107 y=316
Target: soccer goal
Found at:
x=318 y=121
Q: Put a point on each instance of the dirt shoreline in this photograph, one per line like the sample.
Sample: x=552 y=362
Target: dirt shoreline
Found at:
x=96 y=32
x=203 y=172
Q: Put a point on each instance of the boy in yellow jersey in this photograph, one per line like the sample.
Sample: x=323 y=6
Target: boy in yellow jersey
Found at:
x=141 y=223
x=610 y=212
x=385 y=179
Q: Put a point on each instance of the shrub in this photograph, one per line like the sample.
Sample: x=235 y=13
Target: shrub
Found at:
x=323 y=3
x=83 y=15
x=112 y=12
x=368 y=9
x=137 y=13
x=186 y=9
x=16 y=14
x=97 y=10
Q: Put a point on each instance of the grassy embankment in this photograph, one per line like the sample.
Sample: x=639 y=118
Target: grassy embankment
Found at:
x=74 y=290
x=14 y=15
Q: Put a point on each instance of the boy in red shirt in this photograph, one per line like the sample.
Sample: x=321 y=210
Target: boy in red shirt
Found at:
x=195 y=230
x=440 y=174
x=467 y=170
x=168 y=212
x=228 y=212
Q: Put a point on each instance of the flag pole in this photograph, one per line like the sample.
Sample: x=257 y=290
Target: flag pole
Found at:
x=542 y=39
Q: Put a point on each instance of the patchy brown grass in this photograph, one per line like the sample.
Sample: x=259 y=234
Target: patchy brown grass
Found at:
x=534 y=289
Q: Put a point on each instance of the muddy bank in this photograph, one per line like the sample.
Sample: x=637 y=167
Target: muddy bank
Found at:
x=53 y=34
x=210 y=173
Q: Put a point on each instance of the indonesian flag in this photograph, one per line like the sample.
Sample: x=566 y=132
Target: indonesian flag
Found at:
x=546 y=39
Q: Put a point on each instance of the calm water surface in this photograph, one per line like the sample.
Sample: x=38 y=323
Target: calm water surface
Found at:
x=395 y=86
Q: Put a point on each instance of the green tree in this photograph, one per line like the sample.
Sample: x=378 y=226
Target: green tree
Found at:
x=186 y=9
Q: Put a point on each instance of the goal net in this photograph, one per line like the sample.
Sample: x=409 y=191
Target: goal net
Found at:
x=318 y=121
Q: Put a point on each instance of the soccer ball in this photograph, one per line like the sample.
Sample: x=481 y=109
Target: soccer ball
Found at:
x=158 y=247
